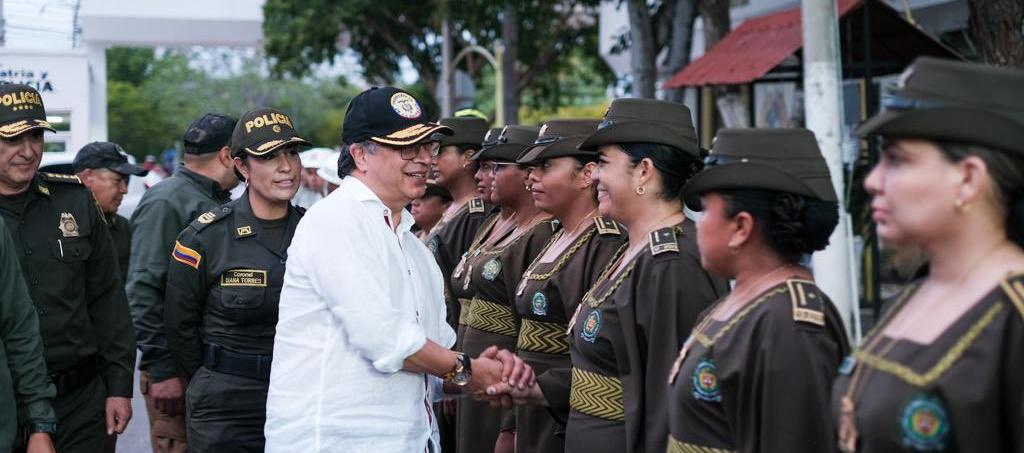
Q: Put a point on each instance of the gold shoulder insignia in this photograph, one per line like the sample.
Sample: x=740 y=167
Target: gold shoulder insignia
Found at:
x=606 y=226
x=476 y=205
x=206 y=217
x=1013 y=287
x=60 y=177
x=663 y=240
x=808 y=305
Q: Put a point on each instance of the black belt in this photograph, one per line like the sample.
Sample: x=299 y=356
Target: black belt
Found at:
x=72 y=379
x=255 y=366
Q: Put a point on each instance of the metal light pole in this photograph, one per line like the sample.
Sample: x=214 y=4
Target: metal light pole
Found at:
x=446 y=66
x=833 y=270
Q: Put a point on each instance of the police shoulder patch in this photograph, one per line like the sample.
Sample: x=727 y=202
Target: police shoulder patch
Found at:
x=607 y=226
x=663 y=241
x=60 y=177
x=807 y=300
x=186 y=255
x=476 y=206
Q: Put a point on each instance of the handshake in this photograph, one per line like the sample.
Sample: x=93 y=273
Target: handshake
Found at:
x=501 y=378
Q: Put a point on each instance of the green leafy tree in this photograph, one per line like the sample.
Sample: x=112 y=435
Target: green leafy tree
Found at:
x=302 y=33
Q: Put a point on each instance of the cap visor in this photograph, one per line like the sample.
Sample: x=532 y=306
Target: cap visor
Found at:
x=562 y=148
x=741 y=176
x=954 y=124
x=19 y=127
x=413 y=134
x=130 y=169
x=273 y=145
x=638 y=132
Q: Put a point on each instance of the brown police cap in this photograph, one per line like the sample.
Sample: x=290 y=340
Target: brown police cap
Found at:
x=466 y=131
x=262 y=131
x=782 y=160
x=510 y=144
x=21 y=110
x=646 y=121
x=955 y=101
x=560 y=138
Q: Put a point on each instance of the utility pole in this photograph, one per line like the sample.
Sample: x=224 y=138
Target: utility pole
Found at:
x=833 y=269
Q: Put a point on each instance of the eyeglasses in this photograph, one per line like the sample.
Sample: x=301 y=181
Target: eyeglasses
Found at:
x=411 y=151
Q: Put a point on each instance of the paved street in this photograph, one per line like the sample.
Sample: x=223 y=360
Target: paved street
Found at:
x=136 y=438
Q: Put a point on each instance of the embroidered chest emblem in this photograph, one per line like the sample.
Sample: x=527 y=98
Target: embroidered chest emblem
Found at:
x=705 y=381
x=68 y=226
x=539 y=304
x=925 y=424
x=591 y=326
x=491 y=269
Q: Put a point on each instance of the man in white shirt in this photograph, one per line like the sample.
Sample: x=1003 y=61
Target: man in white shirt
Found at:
x=361 y=329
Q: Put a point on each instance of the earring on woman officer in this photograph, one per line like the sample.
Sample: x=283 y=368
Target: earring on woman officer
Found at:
x=641 y=190
x=961 y=205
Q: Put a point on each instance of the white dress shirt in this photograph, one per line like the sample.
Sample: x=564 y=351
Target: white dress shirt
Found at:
x=358 y=299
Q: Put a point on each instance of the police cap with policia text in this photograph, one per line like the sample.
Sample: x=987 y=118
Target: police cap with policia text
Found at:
x=208 y=133
x=21 y=110
x=263 y=131
x=389 y=116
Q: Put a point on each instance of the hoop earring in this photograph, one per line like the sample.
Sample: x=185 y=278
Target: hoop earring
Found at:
x=641 y=190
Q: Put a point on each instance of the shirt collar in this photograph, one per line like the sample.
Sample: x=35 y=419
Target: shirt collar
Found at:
x=357 y=189
x=208 y=185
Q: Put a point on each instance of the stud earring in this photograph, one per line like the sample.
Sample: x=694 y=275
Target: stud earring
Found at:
x=641 y=190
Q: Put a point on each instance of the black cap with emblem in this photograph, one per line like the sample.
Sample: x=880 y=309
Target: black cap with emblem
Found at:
x=955 y=101
x=560 y=138
x=21 y=110
x=509 y=145
x=646 y=121
x=209 y=133
x=106 y=155
x=781 y=160
x=263 y=131
x=389 y=116
x=465 y=131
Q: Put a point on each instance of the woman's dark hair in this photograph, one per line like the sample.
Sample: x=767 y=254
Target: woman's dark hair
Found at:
x=675 y=165
x=1007 y=172
x=793 y=225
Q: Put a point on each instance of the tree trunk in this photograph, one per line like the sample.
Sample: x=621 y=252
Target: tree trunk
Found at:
x=997 y=29
x=510 y=38
x=641 y=48
x=716 y=26
x=679 y=45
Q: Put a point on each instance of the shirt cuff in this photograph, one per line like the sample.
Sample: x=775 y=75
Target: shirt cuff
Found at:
x=161 y=371
x=118 y=383
x=410 y=340
x=39 y=411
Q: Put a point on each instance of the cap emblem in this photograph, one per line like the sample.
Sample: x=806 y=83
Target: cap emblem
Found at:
x=405 y=105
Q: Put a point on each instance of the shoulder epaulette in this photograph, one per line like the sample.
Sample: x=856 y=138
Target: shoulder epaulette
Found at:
x=209 y=217
x=60 y=177
x=663 y=241
x=807 y=300
x=476 y=205
x=1013 y=287
x=607 y=226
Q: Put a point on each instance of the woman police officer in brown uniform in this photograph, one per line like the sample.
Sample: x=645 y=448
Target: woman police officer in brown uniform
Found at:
x=629 y=326
x=491 y=270
x=223 y=287
x=756 y=373
x=562 y=184
x=942 y=369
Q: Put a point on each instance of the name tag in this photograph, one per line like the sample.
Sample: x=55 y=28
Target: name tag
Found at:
x=244 y=277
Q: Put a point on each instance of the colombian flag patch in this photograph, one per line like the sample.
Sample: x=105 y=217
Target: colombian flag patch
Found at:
x=186 y=255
